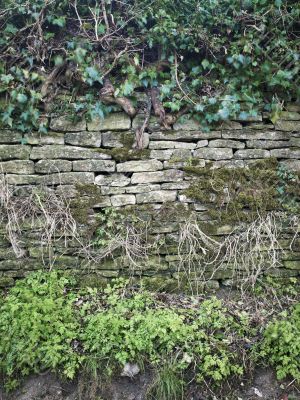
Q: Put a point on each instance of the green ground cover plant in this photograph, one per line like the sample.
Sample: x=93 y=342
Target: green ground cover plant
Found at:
x=47 y=322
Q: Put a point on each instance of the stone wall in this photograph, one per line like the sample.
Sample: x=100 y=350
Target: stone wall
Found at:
x=95 y=165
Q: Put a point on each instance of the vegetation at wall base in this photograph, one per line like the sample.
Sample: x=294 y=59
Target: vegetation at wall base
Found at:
x=48 y=323
x=214 y=60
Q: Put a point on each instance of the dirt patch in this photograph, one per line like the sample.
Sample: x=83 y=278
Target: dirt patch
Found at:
x=262 y=386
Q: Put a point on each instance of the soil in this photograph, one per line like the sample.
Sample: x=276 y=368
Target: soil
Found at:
x=263 y=386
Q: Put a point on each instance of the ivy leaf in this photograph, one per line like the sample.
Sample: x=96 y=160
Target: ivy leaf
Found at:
x=205 y=63
x=127 y=88
x=22 y=98
x=61 y=22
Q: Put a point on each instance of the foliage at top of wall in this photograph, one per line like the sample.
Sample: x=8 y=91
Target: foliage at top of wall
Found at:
x=216 y=59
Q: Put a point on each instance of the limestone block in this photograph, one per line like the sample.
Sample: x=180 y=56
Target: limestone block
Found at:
x=290 y=115
x=251 y=153
x=227 y=164
x=267 y=144
x=260 y=126
x=169 y=144
x=161 y=154
x=181 y=155
x=213 y=153
x=171 y=175
x=141 y=188
x=287 y=126
x=88 y=139
x=112 y=180
x=154 y=123
x=11 y=152
x=293 y=165
x=63 y=124
x=292 y=264
x=250 y=118
x=201 y=143
x=17 y=167
x=67 y=191
x=14 y=179
x=53 y=166
x=294 y=142
x=107 y=190
x=7 y=136
x=65 y=152
x=176 y=185
x=190 y=136
x=122 y=200
x=186 y=124
x=112 y=122
x=67 y=178
x=248 y=134
x=157 y=196
x=117 y=139
x=94 y=165
x=286 y=153
x=48 y=138
x=103 y=202
x=140 y=166
x=230 y=125
x=234 y=144
x=294 y=107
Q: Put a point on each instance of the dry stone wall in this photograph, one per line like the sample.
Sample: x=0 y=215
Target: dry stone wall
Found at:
x=95 y=166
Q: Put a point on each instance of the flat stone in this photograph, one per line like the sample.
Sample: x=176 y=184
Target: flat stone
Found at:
x=294 y=107
x=175 y=185
x=294 y=142
x=102 y=202
x=185 y=135
x=67 y=191
x=14 y=179
x=250 y=118
x=187 y=124
x=67 y=178
x=292 y=264
x=234 y=144
x=161 y=154
x=65 y=152
x=17 y=167
x=165 y=144
x=172 y=164
x=201 y=143
x=251 y=153
x=159 y=176
x=63 y=124
x=230 y=164
x=107 y=190
x=53 y=166
x=111 y=122
x=112 y=180
x=142 y=188
x=285 y=153
x=140 y=166
x=117 y=139
x=252 y=134
x=94 y=165
x=10 y=152
x=287 y=126
x=122 y=200
x=181 y=155
x=267 y=144
x=230 y=125
x=158 y=196
x=290 y=115
x=182 y=198
x=48 y=138
x=7 y=136
x=213 y=153
x=293 y=165
x=88 y=139
x=261 y=127
x=154 y=122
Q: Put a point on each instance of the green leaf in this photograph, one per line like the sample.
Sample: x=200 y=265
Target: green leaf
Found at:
x=61 y=22
x=22 y=98
x=205 y=63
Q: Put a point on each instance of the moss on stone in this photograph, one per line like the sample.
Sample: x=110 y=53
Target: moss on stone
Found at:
x=238 y=194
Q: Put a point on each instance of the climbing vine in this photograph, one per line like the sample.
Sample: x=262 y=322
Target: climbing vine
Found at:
x=214 y=59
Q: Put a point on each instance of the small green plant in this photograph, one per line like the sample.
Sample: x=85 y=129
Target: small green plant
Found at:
x=281 y=344
x=37 y=327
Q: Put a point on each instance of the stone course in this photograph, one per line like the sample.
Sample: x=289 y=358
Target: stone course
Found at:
x=95 y=166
